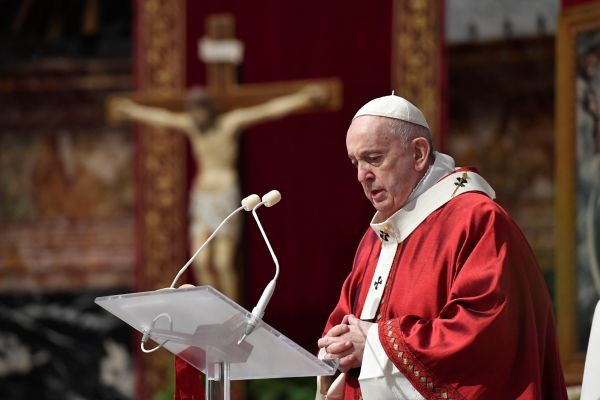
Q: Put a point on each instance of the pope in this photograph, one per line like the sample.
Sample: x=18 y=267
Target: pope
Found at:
x=445 y=299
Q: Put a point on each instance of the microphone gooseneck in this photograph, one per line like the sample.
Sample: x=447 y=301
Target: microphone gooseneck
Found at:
x=270 y=199
x=247 y=204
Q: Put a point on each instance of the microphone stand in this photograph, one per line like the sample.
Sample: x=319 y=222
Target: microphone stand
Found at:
x=269 y=200
x=248 y=203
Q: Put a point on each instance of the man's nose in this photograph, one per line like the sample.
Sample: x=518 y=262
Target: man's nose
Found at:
x=364 y=172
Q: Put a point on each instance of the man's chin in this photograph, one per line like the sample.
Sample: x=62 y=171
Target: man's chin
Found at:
x=384 y=209
x=381 y=207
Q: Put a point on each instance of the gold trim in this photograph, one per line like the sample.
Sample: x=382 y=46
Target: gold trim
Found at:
x=416 y=57
x=161 y=194
x=570 y=23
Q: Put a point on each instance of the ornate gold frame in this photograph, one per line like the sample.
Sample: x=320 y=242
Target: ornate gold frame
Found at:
x=571 y=23
x=161 y=181
x=417 y=59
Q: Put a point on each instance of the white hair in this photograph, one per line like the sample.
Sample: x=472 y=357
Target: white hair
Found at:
x=408 y=131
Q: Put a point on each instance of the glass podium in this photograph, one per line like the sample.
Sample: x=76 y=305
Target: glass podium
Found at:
x=203 y=327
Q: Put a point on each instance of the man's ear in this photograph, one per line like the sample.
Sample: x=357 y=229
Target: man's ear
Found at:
x=421 y=152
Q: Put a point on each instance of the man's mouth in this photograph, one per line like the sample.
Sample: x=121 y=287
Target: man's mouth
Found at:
x=377 y=195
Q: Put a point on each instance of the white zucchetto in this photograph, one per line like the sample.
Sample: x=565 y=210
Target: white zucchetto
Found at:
x=393 y=107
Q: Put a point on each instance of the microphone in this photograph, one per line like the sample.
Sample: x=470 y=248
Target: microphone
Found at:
x=269 y=200
x=248 y=203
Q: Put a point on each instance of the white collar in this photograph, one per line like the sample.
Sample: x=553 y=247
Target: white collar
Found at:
x=442 y=166
x=433 y=194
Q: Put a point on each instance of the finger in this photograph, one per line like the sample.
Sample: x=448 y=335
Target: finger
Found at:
x=347 y=363
x=338 y=330
x=323 y=342
x=328 y=340
x=359 y=325
x=339 y=348
x=332 y=356
x=337 y=351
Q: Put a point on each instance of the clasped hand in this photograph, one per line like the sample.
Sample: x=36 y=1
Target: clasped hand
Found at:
x=346 y=342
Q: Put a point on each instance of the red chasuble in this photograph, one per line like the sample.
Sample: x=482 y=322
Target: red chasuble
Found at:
x=188 y=382
x=465 y=313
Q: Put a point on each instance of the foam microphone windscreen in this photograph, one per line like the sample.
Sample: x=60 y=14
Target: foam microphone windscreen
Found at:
x=250 y=202
x=271 y=198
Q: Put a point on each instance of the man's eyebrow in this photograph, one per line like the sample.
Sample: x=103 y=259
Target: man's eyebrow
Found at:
x=370 y=152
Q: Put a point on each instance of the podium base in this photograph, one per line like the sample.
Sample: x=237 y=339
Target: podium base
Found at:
x=218 y=386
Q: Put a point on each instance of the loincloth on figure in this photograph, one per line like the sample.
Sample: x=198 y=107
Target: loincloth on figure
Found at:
x=209 y=209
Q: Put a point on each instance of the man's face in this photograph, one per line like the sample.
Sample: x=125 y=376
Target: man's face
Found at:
x=201 y=116
x=386 y=169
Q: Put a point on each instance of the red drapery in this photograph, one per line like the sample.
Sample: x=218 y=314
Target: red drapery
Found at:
x=316 y=227
x=570 y=3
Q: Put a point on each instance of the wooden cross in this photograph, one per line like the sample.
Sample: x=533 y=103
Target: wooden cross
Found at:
x=221 y=81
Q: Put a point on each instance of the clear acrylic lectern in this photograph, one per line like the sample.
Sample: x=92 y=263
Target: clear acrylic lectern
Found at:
x=203 y=327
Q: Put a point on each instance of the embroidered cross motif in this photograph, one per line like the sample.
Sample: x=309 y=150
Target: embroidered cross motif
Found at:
x=378 y=282
x=460 y=182
x=384 y=235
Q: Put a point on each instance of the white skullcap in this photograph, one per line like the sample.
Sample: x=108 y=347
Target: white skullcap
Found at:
x=394 y=107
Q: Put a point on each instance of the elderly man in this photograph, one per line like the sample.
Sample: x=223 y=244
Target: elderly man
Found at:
x=445 y=299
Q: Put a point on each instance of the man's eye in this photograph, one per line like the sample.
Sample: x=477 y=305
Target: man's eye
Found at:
x=373 y=159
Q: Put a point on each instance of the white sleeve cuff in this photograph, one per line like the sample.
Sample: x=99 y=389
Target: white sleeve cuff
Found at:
x=379 y=378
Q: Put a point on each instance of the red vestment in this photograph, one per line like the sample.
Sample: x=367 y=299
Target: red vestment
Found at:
x=465 y=313
x=188 y=381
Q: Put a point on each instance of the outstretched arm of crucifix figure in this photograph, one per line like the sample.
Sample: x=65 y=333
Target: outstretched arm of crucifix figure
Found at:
x=153 y=116
x=310 y=96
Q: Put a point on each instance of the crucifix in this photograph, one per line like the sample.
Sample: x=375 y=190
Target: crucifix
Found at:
x=222 y=52
x=213 y=119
